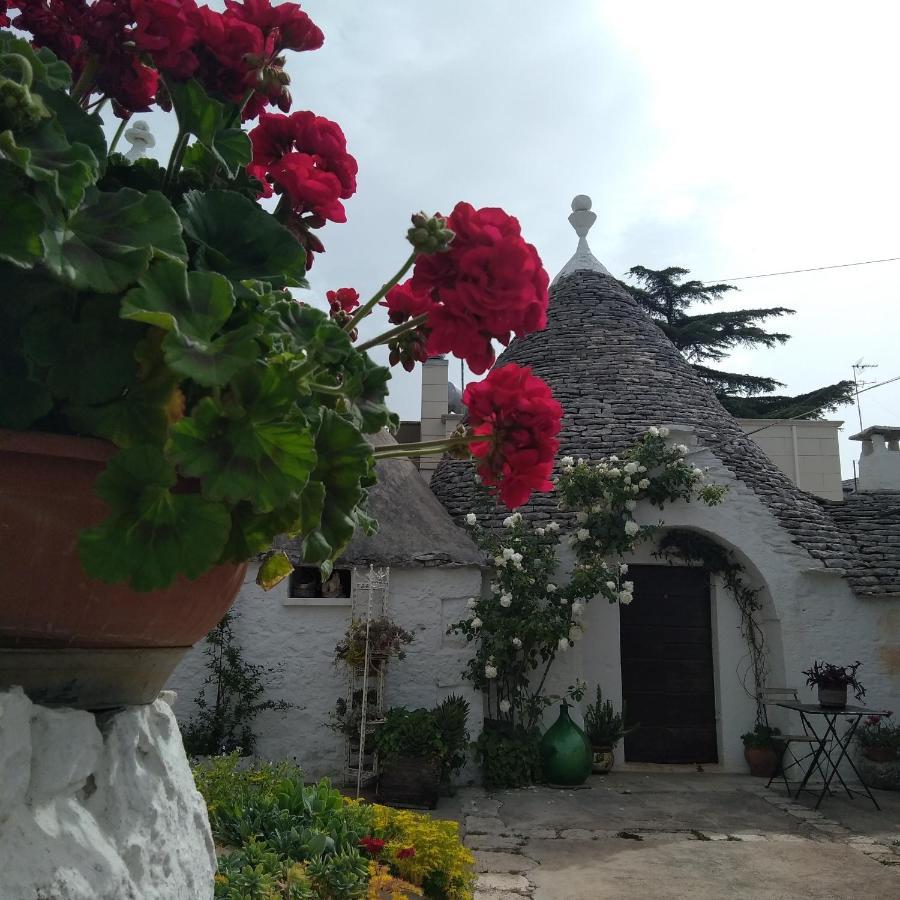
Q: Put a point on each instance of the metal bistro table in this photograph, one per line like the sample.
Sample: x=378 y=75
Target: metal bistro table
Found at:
x=830 y=742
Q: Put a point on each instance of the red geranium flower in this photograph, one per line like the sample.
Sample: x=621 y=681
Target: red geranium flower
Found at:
x=294 y=30
x=522 y=417
x=343 y=300
x=166 y=29
x=372 y=846
x=489 y=285
x=404 y=303
x=406 y=852
x=309 y=188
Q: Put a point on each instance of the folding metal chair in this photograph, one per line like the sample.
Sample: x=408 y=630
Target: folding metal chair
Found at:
x=771 y=697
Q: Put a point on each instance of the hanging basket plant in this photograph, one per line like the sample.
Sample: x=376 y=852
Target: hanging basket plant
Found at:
x=386 y=639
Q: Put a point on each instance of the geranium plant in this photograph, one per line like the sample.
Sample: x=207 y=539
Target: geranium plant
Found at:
x=384 y=637
x=830 y=676
x=153 y=306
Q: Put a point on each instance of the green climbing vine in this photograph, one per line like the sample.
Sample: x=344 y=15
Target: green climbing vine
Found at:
x=697 y=549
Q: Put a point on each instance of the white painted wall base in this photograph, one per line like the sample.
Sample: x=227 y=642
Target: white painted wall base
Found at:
x=99 y=808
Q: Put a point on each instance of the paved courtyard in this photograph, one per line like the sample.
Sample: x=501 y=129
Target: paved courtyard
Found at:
x=634 y=836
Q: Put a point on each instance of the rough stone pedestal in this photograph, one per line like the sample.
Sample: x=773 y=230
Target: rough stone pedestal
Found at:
x=99 y=807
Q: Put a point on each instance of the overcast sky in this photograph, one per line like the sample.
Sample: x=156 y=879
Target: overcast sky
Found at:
x=731 y=139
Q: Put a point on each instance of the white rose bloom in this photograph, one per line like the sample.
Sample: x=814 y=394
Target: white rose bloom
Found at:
x=642 y=468
x=634 y=489
x=632 y=528
x=508 y=553
x=476 y=622
x=614 y=472
x=495 y=586
x=577 y=608
x=697 y=473
x=644 y=483
x=539 y=532
x=490 y=671
x=568 y=470
x=653 y=430
x=505 y=706
x=553 y=526
x=580 y=461
x=471 y=518
x=516 y=557
x=563 y=601
x=563 y=644
x=575 y=633
x=663 y=431
x=631 y=468
x=551 y=587
x=582 y=534
x=627 y=479
x=628 y=586
x=597 y=507
x=507 y=522
x=581 y=517
x=567 y=461
x=499 y=561
x=471 y=603
x=630 y=504
x=682 y=449
x=625 y=598
x=623 y=569
x=517 y=642
x=506 y=600
x=614 y=459
x=611 y=585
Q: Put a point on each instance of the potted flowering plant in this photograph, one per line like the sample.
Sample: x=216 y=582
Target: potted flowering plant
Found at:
x=385 y=638
x=763 y=750
x=879 y=739
x=832 y=682
x=167 y=406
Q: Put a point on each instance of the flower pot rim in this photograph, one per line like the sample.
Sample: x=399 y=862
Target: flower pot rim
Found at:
x=45 y=443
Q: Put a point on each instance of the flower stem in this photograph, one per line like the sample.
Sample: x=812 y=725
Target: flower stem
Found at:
x=178 y=149
x=425 y=448
x=85 y=84
x=119 y=132
x=333 y=389
x=364 y=310
x=387 y=336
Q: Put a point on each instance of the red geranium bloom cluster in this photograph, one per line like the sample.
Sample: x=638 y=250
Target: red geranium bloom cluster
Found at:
x=403 y=304
x=406 y=852
x=372 y=846
x=523 y=420
x=489 y=285
x=342 y=302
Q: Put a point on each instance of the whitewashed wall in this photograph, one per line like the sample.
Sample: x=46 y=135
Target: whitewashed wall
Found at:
x=808 y=613
x=301 y=638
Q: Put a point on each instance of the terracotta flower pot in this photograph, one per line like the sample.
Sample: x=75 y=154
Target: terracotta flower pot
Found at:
x=601 y=760
x=763 y=761
x=833 y=696
x=880 y=754
x=64 y=637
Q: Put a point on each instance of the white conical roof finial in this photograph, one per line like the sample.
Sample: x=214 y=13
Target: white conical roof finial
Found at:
x=581 y=219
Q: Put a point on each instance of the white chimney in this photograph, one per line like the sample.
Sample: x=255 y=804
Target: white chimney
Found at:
x=879 y=462
x=435 y=408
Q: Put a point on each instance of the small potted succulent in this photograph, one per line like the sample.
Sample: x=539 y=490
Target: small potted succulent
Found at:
x=763 y=750
x=832 y=682
x=605 y=728
x=419 y=749
x=879 y=739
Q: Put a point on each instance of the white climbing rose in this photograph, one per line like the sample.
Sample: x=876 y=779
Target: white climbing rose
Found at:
x=630 y=505
x=500 y=561
x=614 y=459
x=625 y=598
x=628 y=586
x=682 y=449
x=575 y=633
x=644 y=483
x=553 y=526
x=611 y=585
x=577 y=608
x=653 y=431
x=631 y=468
x=471 y=603
x=471 y=518
x=508 y=553
x=551 y=587
x=517 y=642
x=567 y=461
x=476 y=622
x=506 y=600
x=632 y=528
x=563 y=644
x=614 y=472
x=623 y=569
x=490 y=671
x=505 y=706
x=697 y=473
x=539 y=532
x=582 y=534
x=563 y=601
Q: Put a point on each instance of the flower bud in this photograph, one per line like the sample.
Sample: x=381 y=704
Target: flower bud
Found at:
x=429 y=234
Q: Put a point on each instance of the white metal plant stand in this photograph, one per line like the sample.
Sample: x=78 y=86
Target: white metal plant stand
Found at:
x=365 y=696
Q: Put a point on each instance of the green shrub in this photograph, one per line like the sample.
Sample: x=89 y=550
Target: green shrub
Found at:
x=509 y=757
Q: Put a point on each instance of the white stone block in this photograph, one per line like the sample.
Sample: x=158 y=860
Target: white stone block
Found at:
x=15 y=749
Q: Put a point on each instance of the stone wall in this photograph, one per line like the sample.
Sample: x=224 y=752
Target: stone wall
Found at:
x=99 y=807
x=300 y=636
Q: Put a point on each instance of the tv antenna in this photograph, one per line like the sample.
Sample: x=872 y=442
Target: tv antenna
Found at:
x=860 y=366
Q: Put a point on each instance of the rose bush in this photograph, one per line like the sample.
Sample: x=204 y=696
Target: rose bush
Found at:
x=153 y=307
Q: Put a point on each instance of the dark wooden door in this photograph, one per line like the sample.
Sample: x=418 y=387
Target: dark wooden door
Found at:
x=667 y=667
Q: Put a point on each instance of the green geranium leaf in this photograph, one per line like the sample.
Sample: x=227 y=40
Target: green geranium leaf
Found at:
x=366 y=387
x=45 y=155
x=79 y=126
x=108 y=244
x=152 y=535
x=252 y=532
x=144 y=174
x=197 y=112
x=344 y=468
x=45 y=67
x=233 y=149
x=21 y=224
x=237 y=237
x=275 y=568
x=245 y=453
x=192 y=307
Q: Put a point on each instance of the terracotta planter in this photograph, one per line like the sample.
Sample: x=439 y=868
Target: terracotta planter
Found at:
x=833 y=696
x=63 y=636
x=880 y=754
x=601 y=760
x=410 y=781
x=763 y=761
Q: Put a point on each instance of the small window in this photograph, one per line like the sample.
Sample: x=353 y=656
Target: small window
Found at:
x=306 y=583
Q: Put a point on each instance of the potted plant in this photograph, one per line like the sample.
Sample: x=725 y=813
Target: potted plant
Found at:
x=832 y=682
x=167 y=407
x=879 y=739
x=417 y=748
x=604 y=728
x=385 y=638
x=763 y=750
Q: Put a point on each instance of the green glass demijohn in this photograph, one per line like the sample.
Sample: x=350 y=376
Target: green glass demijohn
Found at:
x=565 y=751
